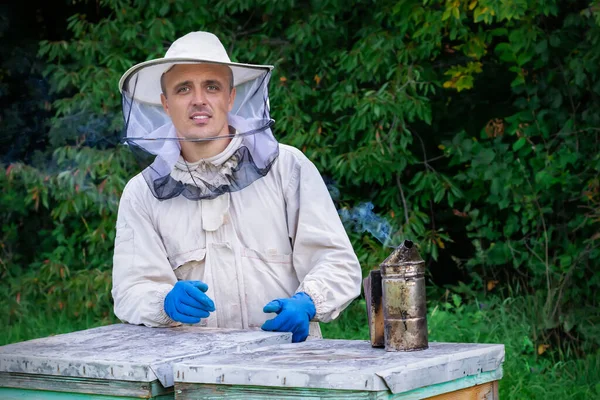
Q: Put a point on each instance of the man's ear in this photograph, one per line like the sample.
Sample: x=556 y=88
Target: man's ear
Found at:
x=231 y=98
x=163 y=100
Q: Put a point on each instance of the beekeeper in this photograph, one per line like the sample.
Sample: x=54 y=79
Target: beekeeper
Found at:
x=225 y=226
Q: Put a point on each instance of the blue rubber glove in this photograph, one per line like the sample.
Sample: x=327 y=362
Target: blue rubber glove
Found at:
x=294 y=315
x=188 y=303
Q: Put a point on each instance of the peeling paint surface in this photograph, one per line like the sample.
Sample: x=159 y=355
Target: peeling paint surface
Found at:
x=343 y=364
x=128 y=352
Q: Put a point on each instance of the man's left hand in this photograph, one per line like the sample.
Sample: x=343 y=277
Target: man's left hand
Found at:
x=293 y=315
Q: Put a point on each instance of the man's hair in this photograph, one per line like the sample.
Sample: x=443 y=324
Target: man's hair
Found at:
x=164 y=89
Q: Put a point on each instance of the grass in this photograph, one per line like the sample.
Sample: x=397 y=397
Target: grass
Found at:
x=527 y=373
x=37 y=325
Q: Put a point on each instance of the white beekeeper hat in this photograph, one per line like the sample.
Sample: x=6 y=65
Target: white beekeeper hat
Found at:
x=150 y=133
x=193 y=48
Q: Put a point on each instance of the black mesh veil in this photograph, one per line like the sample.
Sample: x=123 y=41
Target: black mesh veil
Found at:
x=151 y=135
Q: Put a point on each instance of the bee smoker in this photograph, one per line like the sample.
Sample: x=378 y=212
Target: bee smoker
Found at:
x=396 y=304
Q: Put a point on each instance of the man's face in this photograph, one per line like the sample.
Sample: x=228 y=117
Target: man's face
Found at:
x=197 y=98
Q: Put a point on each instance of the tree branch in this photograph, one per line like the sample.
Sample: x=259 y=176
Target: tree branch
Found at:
x=546 y=244
x=399 y=184
x=425 y=161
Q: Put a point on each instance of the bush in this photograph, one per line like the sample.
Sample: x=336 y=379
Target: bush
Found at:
x=472 y=127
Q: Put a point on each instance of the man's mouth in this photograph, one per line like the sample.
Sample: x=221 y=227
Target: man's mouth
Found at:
x=200 y=117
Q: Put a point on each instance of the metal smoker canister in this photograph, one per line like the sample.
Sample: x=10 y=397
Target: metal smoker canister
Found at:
x=404 y=303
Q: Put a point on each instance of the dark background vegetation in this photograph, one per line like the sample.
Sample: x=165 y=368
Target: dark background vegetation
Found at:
x=472 y=127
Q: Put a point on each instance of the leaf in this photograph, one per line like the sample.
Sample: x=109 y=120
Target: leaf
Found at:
x=519 y=143
x=541 y=47
x=439 y=196
x=527 y=345
x=544 y=178
x=541 y=349
x=456 y=300
x=447 y=13
x=484 y=157
x=505 y=52
x=460 y=213
x=524 y=57
x=456 y=12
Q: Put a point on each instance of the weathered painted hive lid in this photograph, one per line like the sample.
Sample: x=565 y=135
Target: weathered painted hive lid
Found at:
x=343 y=365
x=127 y=352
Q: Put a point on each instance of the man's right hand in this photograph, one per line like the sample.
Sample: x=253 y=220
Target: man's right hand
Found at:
x=187 y=302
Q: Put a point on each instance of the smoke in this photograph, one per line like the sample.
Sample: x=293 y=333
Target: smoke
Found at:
x=86 y=128
x=334 y=192
x=362 y=219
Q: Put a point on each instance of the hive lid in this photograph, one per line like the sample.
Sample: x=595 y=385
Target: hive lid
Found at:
x=343 y=365
x=127 y=352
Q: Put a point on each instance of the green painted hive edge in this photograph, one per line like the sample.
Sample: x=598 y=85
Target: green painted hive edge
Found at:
x=20 y=394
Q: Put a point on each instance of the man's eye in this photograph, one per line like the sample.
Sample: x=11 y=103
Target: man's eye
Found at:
x=212 y=87
x=183 y=89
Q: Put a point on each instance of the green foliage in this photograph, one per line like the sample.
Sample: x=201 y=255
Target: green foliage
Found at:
x=60 y=225
x=24 y=98
x=532 y=369
x=473 y=127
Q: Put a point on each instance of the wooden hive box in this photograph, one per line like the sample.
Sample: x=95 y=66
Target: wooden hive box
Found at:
x=344 y=369
x=116 y=361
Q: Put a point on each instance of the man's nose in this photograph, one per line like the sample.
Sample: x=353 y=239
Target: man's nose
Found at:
x=199 y=97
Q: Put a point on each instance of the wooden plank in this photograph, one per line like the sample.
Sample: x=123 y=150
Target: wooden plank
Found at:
x=487 y=391
x=188 y=391
x=191 y=391
x=446 y=387
x=65 y=385
x=20 y=394
x=212 y=392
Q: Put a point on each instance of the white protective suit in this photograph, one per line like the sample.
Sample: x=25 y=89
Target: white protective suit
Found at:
x=278 y=236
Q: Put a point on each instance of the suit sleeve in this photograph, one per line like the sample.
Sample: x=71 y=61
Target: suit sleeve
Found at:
x=142 y=275
x=323 y=257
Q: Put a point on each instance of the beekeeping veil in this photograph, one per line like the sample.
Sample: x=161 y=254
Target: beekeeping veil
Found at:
x=150 y=133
